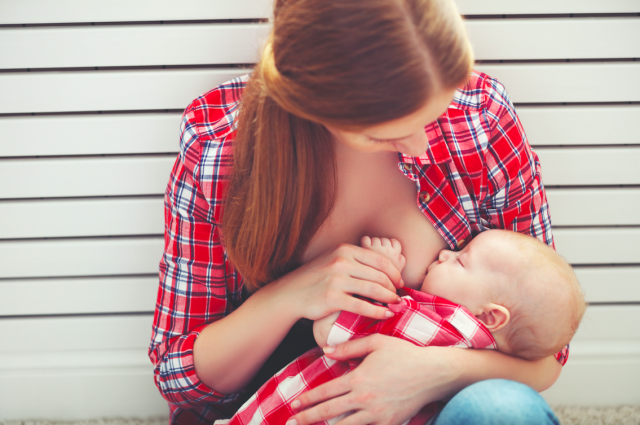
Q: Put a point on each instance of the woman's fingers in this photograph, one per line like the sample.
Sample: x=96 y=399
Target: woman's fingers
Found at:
x=356 y=348
x=364 y=308
x=372 y=283
x=363 y=272
x=381 y=390
x=322 y=403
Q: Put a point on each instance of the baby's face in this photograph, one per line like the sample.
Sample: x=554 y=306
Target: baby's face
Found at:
x=470 y=276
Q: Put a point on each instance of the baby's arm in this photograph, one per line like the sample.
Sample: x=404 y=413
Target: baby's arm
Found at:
x=322 y=327
x=391 y=249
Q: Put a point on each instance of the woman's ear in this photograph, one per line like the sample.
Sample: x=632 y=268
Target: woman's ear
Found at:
x=494 y=317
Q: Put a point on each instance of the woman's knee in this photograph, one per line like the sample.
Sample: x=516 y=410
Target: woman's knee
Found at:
x=497 y=401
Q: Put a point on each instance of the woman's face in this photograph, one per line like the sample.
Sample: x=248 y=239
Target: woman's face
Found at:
x=405 y=135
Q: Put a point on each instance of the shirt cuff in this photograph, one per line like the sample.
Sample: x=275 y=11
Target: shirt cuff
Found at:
x=563 y=355
x=176 y=377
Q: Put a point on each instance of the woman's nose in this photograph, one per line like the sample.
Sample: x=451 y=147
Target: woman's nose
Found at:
x=416 y=145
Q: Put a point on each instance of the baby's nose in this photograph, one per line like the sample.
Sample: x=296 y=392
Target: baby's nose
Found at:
x=444 y=255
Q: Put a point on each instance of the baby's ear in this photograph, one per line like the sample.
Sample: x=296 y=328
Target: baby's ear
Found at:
x=494 y=317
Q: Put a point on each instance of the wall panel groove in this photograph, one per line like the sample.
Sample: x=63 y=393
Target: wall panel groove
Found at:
x=121 y=216
x=174 y=89
x=196 y=44
x=43 y=11
x=147 y=175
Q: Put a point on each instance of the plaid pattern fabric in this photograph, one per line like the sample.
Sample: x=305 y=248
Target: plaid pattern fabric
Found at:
x=423 y=319
x=479 y=173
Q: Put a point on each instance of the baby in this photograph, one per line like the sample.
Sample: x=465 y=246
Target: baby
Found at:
x=504 y=291
x=519 y=288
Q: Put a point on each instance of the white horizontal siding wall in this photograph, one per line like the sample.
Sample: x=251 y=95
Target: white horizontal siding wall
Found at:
x=91 y=94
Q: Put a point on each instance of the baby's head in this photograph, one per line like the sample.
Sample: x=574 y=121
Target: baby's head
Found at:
x=521 y=289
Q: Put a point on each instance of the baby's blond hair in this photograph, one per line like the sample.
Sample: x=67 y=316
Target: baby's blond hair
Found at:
x=547 y=303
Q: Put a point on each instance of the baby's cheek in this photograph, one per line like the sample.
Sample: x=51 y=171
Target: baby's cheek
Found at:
x=427 y=286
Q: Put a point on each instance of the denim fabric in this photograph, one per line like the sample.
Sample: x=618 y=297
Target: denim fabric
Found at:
x=497 y=402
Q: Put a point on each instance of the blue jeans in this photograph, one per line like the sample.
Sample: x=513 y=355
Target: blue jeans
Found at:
x=497 y=402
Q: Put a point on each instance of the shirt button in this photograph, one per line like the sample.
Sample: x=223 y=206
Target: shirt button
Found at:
x=425 y=197
x=461 y=243
x=407 y=167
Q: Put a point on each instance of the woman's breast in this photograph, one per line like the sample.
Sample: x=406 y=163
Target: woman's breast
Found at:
x=420 y=241
x=380 y=204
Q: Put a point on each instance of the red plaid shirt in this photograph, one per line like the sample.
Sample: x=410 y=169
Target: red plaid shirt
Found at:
x=423 y=319
x=478 y=173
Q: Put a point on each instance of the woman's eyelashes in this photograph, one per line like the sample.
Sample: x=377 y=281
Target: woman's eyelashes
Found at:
x=377 y=140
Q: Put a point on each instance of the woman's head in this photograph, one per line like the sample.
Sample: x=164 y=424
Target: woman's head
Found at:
x=353 y=64
x=405 y=134
x=329 y=67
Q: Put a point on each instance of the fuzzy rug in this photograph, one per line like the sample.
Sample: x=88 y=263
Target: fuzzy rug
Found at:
x=625 y=415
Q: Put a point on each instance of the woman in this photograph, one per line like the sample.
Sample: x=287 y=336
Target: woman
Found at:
x=350 y=125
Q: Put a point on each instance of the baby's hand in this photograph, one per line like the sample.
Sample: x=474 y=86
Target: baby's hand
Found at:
x=390 y=248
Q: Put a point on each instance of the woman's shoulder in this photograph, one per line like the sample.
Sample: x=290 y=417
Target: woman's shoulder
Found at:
x=207 y=133
x=481 y=128
x=213 y=115
x=482 y=93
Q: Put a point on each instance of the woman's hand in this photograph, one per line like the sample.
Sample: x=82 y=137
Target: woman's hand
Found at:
x=391 y=385
x=397 y=378
x=328 y=283
x=315 y=290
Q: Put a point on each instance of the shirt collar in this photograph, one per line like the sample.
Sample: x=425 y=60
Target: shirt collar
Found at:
x=472 y=330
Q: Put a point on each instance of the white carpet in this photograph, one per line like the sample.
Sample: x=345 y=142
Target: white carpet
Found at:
x=625 y=415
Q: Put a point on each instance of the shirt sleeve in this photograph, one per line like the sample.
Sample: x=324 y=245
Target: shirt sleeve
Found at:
x=433 y=321
x=517 y=200
x=196 y=283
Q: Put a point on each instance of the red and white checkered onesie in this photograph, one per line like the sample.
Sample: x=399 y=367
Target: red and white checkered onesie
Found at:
x=423 y=319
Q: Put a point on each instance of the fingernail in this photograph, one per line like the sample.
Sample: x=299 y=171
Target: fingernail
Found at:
x=296 y=404
x=292 y=422
x=328 y=350
x=388 y=313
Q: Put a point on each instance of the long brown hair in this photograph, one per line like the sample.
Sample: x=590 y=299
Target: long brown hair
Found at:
x=345 y=63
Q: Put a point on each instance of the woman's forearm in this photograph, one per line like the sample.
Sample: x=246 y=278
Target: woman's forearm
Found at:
x=479 y=365
x=229 y=352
